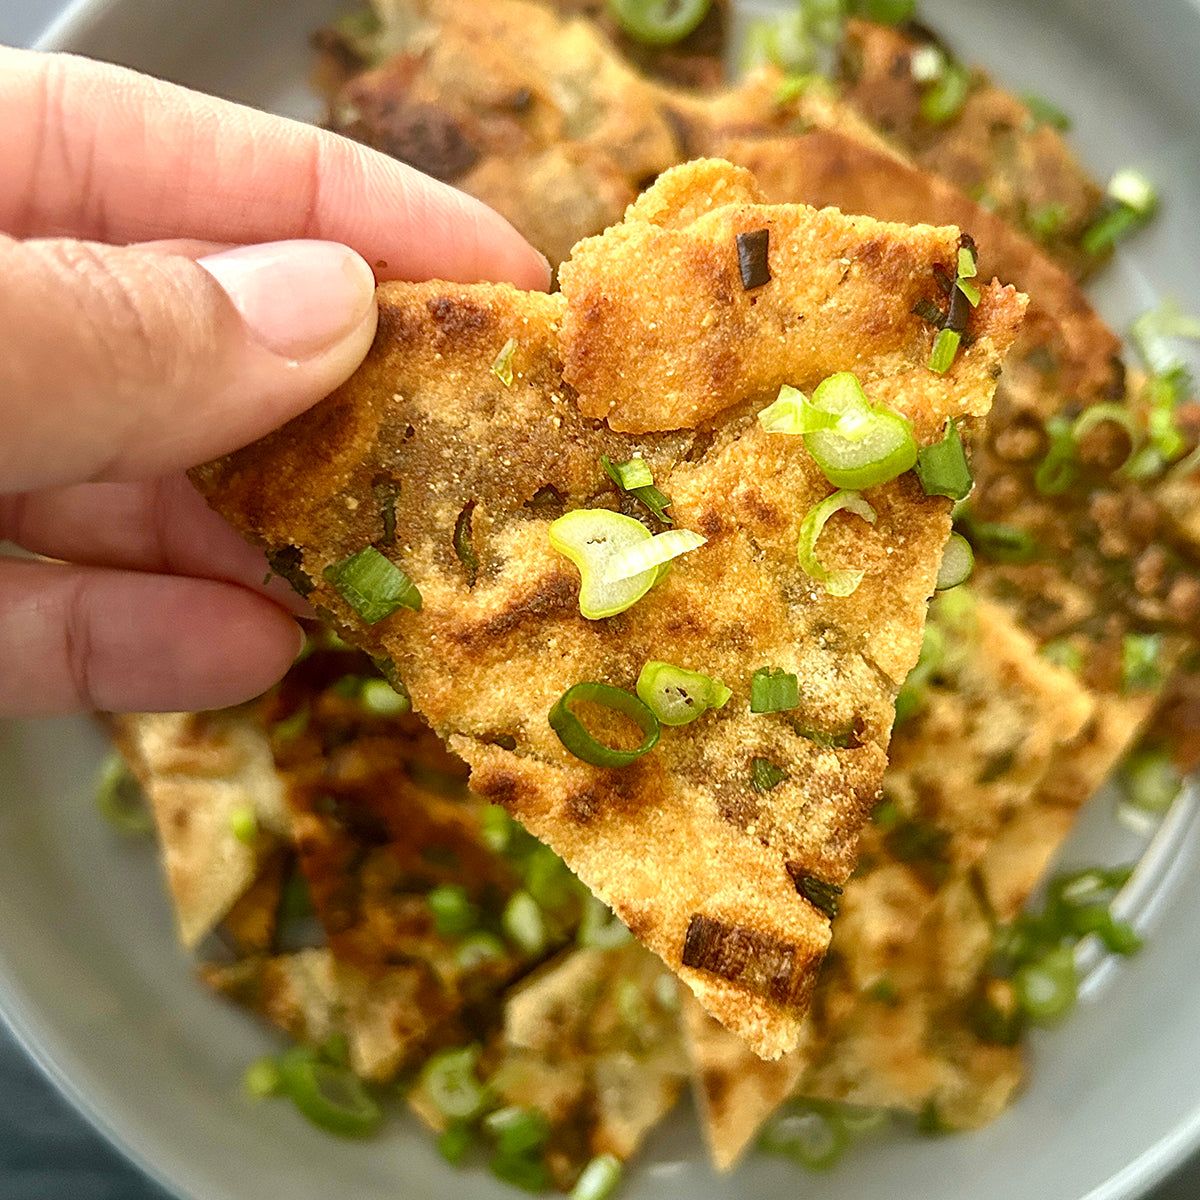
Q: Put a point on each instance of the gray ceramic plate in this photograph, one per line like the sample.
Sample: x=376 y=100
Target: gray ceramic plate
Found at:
x=91 y=980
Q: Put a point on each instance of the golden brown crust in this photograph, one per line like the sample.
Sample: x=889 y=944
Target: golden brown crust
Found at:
x=679 y=840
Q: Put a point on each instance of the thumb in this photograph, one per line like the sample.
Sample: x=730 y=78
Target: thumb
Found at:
x=128 y=362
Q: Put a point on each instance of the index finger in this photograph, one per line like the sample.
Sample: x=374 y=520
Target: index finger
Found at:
x=102 y=153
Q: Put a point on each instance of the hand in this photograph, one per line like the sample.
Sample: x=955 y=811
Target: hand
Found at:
x=125 y=359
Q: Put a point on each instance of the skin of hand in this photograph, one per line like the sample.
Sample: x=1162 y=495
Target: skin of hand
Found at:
x=126 y=357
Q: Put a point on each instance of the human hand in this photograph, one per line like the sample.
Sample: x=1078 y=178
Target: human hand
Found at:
x=125 y=358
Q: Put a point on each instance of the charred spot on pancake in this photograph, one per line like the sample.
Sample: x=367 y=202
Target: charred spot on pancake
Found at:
x=497 y=785
x=285 y=562
x=459 y=320
x=556 y=596
x=757 y=961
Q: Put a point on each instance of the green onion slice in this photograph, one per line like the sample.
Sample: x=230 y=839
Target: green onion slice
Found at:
x=635 y=478
x=263 y=1078
x=772 y=689
x=1153 y=331
x=575 y=737
x=632 y=561
x=502 y=368
x=958 y=562
x=591 y=538
x=1063 y=652
x=945 y=347
x=998 y=541
x=676 y=695
x=1151 y=780
x=454 y=1142
x=1134 y=190
x=477 y=949
x=792 y=412
x=449 y=1080
x=452 y=909
x=380 y=699
x=373 y=585
x=1140 y=661
x=840 y=582
x=765 y=775
x=942 y=468
x=120 y=799
x=659 y=22
x=1046 y=988
x=599 y=1179
x=331 y=1097
x=517 y=1129
x=812 y=1135
x=943 y=99
x=523 y=923
x=243 y=824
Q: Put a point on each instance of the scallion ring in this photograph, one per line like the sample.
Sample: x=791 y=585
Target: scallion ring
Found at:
x=837 y=582
x=575 y=737
x=942 y=468
x=449 y=1080
x=331 y=1097
x=634 y=560
x=676 y=695
x=867 y=444
x=659 y=22
x=591 y=538
x=958 y=561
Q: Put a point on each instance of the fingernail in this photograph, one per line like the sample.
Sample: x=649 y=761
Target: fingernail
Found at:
x=297 y=298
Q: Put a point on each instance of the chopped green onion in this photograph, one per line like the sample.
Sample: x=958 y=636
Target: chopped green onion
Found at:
x=502 y=368
x=464 y=546
x=634 y=477
x=263 y=1079
x=454 y=1142
x=791 y=412
x=496 y=828
x=1046 y=988
x=591 y=538
x=942 y=468
x=676 y=695
x=926 y=64
x=957 y=563
x=945 y=347
x=1088 y=886
x=599 y=1179
x=521 y=1171
x=448 y=1078
x=967 y=265
x=809 y=1133
x=373 y=585
x=970 y=290
x=600 y=926
x=1046 y=220
x=331 y=1097
x=867 y=444
x=452 y=909
x=784 y=41
x=659 y=22
x=629 y=475
x=523 y=923
x=380 y=699
x=752 y=247
x=289 y=728
x=549 y=880
x=843 y=581
x=765 y=775
x=943 y=99
x=579 y=742
x=819 y=893
x=1133 y=189
x=1062 y=652
x=772 y=689
x=1153 y=331
x=1000 y=542
x=1119 y=937
x=477 y=949
x=634 y=560
x=1132 y=199
x=120 y=799
x=243 y=824
x=1043 y=112
x=1060 y=468
x=1140 y=661
x=517 y=1129
x=1151 y=780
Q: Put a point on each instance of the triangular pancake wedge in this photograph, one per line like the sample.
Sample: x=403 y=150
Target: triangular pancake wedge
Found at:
x=454 y=474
